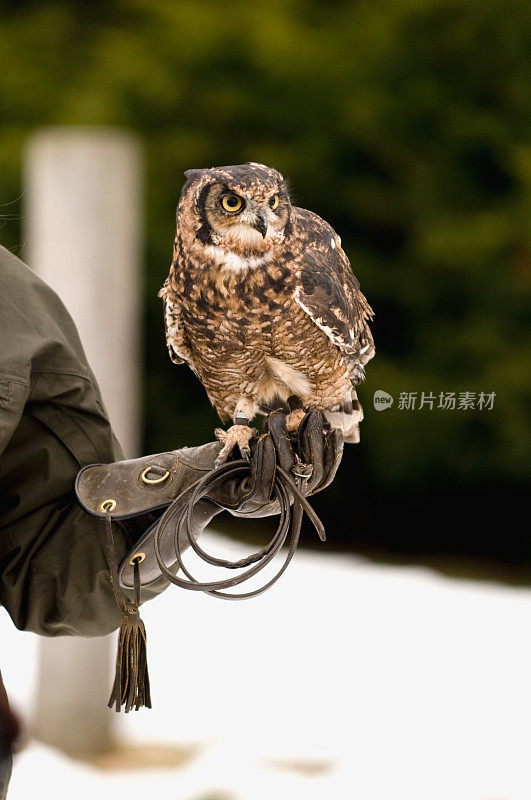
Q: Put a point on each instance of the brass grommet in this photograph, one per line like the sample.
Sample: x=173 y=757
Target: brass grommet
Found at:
x=137 y=557
x=108 y=505
x=151 y=481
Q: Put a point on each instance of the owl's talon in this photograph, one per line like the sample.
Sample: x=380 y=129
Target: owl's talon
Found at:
x=236 y=436
x=294 y=419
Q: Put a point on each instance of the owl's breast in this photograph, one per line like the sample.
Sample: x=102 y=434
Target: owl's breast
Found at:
x=248 y=336
x=226 y=312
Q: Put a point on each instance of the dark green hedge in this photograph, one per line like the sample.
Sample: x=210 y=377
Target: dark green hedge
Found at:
x=406 y=124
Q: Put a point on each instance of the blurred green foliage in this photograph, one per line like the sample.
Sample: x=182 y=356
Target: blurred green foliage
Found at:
x=405 y=123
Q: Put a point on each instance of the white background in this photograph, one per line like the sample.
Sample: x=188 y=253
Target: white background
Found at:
x=346 y=680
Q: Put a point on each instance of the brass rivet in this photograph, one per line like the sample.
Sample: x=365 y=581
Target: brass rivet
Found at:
x=161 y=479
x=137 y=557
x=108 y=505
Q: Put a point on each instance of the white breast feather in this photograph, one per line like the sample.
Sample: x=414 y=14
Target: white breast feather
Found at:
x=290 y=377
x=233 y=261
x=172 y=314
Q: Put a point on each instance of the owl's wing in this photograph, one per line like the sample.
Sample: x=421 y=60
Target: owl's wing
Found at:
x=330 y=294
x=176 y=340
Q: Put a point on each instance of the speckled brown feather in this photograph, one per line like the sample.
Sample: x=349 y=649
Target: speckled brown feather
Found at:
x=242 y=331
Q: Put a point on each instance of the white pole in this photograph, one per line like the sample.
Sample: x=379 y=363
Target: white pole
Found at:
x=83 y=237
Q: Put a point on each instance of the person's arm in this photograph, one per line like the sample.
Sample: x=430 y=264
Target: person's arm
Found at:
x=9 y=724
x=9 y=731
x=13 y=396
x=53 y=569
x=15 y=346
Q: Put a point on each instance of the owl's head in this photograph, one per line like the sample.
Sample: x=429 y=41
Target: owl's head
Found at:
x=244 y=209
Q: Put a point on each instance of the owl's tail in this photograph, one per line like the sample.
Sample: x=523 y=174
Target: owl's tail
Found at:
x=348 y=418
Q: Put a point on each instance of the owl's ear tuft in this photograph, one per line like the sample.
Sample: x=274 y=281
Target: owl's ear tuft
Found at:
x=194 y=174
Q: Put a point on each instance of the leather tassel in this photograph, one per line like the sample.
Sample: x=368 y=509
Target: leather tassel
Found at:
x=131 y=682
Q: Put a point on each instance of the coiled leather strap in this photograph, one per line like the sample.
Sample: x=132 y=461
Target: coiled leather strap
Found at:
x=179 y=514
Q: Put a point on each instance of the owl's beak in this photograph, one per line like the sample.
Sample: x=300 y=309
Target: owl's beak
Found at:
x=261 y=222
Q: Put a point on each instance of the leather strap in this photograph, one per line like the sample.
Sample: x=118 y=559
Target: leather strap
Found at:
x=131 y=687
x=180 y=513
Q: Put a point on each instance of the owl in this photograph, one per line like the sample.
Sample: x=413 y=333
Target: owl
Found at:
x=262 y=304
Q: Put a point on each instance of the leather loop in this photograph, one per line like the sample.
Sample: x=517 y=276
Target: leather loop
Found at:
x=162 y=475
x=178 y=525
x=289 y=523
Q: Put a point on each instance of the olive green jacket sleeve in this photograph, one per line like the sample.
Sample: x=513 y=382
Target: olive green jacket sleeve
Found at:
x=54 y=577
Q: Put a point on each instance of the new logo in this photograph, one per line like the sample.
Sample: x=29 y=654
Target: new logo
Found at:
x=382 y=400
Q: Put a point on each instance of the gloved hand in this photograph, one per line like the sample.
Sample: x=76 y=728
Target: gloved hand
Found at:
x=275 y=478
x=138 y=490
x=312 y=456
x=171 y=498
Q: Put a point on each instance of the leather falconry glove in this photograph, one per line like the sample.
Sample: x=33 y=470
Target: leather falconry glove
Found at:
x=137 y=491
x=167 y=500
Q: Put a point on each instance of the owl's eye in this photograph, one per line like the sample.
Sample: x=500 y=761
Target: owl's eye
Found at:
x=231 y=202
x=274 y=201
